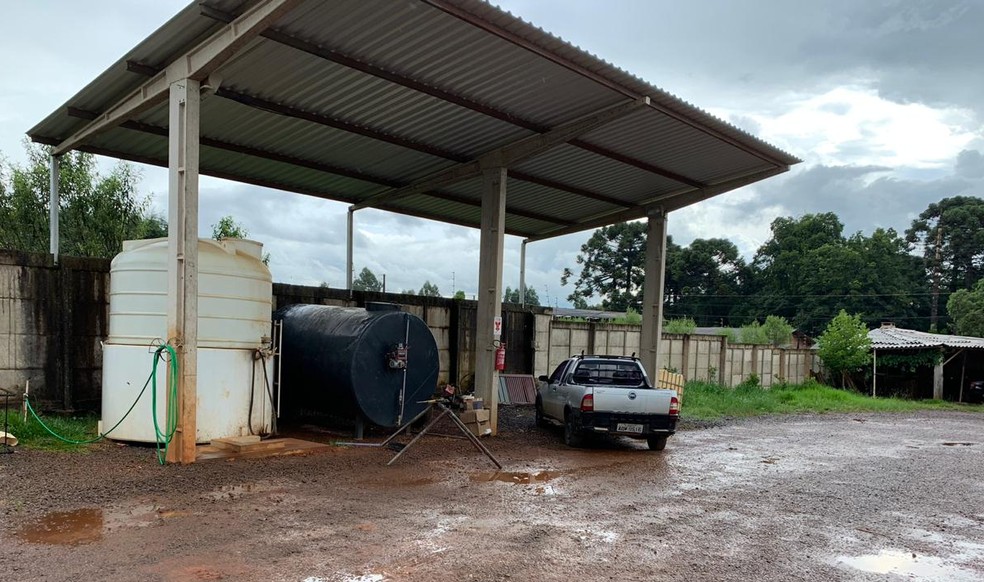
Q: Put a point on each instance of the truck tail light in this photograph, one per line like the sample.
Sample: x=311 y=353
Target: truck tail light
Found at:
x=674 y=406
x=587 y=403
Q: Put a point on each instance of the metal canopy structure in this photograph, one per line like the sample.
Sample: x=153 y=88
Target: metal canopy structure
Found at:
x=431 y=108
x=397 y=103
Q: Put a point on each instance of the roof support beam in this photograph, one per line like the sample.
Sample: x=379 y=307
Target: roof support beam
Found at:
x=196 y=64
x=489 y=296
x=438 y=93
x=323 y=194
x=652 y=293
x=288 y=111
x=668 y=202
x=349 y=245
x=317 y=166
x=182 y=262
x=512 y=153
x=54 y=205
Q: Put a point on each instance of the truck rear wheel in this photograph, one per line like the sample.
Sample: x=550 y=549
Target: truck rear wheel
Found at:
x=572 y=437
x=657 y=443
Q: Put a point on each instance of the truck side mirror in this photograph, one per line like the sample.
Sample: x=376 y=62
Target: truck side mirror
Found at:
x=544 y=378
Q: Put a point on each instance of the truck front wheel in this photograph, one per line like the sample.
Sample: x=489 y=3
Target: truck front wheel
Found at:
x=657 y=443
x=541 y=421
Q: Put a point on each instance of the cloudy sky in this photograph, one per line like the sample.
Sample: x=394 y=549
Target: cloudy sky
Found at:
x=880 y=98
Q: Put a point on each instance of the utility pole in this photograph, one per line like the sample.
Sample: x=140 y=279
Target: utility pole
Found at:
x=935 y=306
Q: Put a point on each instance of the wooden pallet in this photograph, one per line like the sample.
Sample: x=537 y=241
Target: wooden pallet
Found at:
x=248 y=444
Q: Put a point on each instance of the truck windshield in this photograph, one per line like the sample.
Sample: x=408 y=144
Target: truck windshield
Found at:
x=609 y=373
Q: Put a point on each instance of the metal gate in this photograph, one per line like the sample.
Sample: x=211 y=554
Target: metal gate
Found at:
x=518 y=331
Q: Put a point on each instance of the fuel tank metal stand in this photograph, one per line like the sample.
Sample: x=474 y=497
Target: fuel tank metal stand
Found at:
x=445 y=411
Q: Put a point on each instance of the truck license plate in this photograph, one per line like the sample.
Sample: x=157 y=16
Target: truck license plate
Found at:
x=626 y=427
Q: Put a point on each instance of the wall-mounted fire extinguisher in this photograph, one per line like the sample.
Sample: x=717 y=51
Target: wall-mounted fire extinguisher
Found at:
x=500 y=357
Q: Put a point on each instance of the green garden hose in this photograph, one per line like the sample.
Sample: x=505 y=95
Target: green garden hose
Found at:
x=162 y=438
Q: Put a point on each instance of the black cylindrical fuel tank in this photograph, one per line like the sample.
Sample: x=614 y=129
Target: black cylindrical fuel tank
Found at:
x=345 y=361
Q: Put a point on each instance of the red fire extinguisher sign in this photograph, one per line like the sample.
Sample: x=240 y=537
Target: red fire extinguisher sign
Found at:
x=500 y=357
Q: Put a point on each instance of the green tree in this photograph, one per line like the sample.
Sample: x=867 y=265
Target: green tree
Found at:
x=966 y=309
x=512 y=296
x=752 y=333
x=777 y=330
x=808 y=271
x=227 y=227
x=781 y=264
x=705 y=280
x=951 y=238
x=459 y=295
x=367 y=281
x=613 y=267
x=409 y=292
x=96 y=213
x=429 y=289
x=844 y=345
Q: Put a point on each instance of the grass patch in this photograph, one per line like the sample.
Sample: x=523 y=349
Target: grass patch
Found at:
x=33 y=436
x=705 y=401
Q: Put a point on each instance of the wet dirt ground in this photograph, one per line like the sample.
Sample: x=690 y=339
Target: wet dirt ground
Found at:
x=835 y=497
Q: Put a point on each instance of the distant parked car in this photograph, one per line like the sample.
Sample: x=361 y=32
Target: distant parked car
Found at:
x=974 y=392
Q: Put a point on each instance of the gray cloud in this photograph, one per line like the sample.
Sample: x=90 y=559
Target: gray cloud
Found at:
x=863 y=197
x=911 y=50
x=970 y=164
x=751 y=59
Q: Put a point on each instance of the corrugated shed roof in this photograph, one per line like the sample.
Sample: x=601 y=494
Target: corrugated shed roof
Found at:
x=896 y=338
x=350 y=98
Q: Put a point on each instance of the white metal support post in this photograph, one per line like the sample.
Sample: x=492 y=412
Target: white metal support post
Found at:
x=54 y=206
x=652 y=307
x=522 y=273
x=349 y=241
x=490 y=287
x=182 y=260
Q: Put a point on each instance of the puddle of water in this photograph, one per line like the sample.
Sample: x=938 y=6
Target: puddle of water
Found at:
x=83 y=526
x=909 y=565
x=65 y=528
x=516 y=477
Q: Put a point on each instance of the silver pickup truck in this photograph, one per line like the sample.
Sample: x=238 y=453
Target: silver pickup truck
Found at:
x=606 y=395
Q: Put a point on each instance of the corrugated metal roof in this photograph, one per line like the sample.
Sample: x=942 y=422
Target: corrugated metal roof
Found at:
x=348 y=98
x=896 y=338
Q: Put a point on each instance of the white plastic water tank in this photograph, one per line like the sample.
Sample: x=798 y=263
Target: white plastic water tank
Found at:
x=234 y=293
x=235 y=297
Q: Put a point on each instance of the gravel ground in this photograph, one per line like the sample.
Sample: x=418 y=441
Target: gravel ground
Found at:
x=829 y=497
